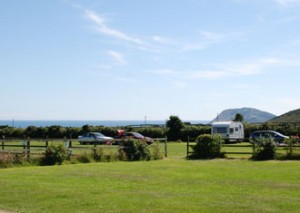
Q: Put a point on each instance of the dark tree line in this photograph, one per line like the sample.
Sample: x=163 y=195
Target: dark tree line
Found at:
x=174 y=130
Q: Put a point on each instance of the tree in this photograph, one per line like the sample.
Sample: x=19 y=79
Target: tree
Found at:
x=239 y=117
x=174 y=125
x=85 y=129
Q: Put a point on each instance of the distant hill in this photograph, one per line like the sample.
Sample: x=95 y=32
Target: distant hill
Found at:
x=250 y=115
x=289 y=117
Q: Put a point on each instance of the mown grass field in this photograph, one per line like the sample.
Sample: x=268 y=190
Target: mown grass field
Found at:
x=170 y=185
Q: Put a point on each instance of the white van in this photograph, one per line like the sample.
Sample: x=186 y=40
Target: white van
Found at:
x=229 y=130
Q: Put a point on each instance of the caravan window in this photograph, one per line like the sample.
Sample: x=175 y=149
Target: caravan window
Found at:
x=220 y=130
x=231 y=130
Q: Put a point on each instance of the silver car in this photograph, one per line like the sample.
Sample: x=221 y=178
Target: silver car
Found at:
x=94 y=138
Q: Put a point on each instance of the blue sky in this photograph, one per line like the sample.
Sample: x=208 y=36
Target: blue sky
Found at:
x=115 y=60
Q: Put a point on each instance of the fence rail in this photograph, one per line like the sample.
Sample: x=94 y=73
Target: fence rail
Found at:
x=37 y=146
x=239 y=149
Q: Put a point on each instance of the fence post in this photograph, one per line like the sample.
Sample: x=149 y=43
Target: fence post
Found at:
x=166 y=147
x=24 y=147
x=187 y=147
x=28 y=148
x=70 y=148
x=66 y=143
x=3 y=138
x=253 y=147
x=47 y=143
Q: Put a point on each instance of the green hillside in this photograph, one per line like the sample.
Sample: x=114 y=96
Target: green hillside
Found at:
x=289 y=117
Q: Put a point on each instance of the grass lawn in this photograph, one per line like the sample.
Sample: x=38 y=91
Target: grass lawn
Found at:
x=170 y=185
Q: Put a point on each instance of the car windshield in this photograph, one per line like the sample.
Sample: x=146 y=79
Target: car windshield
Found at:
x=278 y=134
x=98 y=134
x=136 y=134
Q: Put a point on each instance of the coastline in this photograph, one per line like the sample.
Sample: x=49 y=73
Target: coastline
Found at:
x=80 y=123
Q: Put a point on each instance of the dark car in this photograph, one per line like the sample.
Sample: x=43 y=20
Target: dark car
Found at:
x=276 y=136
x=134 y=135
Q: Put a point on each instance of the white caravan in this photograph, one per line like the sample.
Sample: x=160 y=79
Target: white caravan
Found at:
x=229 y=130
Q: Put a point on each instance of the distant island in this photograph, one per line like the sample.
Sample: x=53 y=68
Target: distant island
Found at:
x=250 y=115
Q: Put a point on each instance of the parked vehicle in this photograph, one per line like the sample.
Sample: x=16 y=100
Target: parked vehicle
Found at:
x=276 y=136
x=296 y=137
x=230 y=131
x=94 y=137
x=134 y=135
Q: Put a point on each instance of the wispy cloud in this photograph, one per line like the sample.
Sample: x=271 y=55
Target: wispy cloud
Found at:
x=203 y=40
x=227 y=70
x=103 y=28
x=230 y=70
x=157 y=43
x=162 y=40
x=177 y=45
x=212 y=35
x=117 y=57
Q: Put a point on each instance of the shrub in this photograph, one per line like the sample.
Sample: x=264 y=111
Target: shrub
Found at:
x=12 y=160
x=264 y=149
x=54 y=155
x=122 y=155
x=290 y=142
x=84 y=158
x=136 y=150
x=18 y=159
x=111 y=156
x=6 y=160
x=207 y=147
x=97 y=154
x=157 y=153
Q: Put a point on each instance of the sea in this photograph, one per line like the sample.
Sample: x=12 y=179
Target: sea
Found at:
x=80 y=123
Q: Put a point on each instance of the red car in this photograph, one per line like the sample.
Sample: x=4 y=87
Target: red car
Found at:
x=134 y=135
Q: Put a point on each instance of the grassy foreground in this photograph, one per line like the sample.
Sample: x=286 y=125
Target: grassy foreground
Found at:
x=170 y=185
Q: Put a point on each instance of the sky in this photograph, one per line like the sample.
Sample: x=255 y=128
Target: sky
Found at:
x=131 y=59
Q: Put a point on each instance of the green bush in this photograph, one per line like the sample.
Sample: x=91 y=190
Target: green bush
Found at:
x=136 y=150
x=84 y=158
x=264 y=149
x=122 y=155
x=157 y=154
x=111 y=156
x=98 y=154
x=54 y=155
x=290 y=142
x=207 y=147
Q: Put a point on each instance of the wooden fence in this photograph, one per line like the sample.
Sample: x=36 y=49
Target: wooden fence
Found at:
x=38 y=146
x=233 y=149
x=236 y=149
